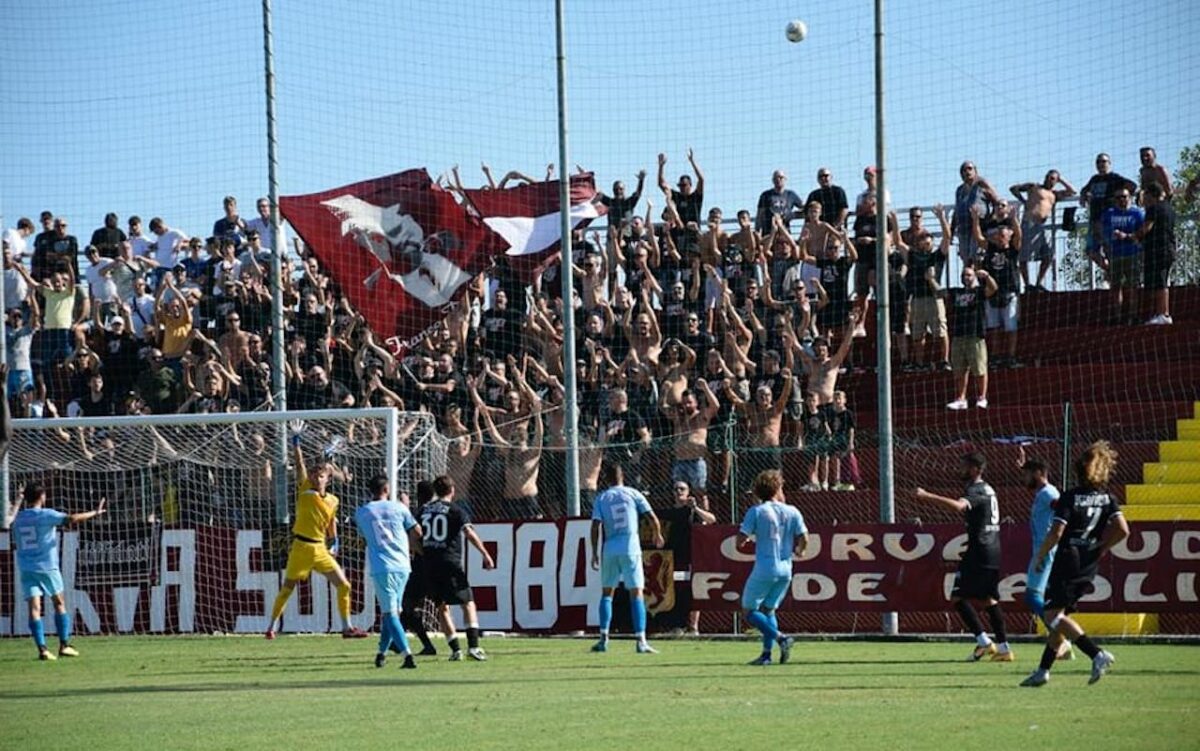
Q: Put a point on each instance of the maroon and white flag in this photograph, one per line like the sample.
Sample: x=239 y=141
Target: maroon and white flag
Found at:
x=528 y=217
x=400 y=247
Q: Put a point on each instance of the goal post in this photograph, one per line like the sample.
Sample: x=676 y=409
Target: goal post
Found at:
x=194 y=539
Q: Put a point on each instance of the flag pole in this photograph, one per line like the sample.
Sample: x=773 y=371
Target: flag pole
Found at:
x=570 y=404
x=883 y=337
x=278 y=384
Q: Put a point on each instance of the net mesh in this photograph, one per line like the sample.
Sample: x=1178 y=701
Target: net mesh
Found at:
x=1015 y=90
x=192 y=510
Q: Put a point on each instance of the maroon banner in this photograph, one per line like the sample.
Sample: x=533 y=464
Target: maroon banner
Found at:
x=528 y=217
x=909 y=568
x=400 y=247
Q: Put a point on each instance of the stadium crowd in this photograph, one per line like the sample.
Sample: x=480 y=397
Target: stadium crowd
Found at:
x=693 y=336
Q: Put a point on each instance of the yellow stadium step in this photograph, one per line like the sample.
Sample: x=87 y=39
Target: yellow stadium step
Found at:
x=1182 y=494
x=1161 y=513
x=1170 y=473
x=1179 y=451
x=1114 y=624
x=1187 y=430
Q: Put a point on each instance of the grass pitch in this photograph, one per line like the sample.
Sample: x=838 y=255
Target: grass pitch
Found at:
x=324 y=693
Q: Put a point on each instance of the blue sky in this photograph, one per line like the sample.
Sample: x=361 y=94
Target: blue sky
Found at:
x=156 y=108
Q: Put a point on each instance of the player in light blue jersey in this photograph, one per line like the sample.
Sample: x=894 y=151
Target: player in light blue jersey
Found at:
x=35 y=530
x=389 y=528
x=616 y=512
x=1035 y=475
x=778 y=531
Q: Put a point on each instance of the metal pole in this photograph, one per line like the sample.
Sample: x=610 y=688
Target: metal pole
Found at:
x=278 y=381
x=883 y=337
x=392 y=451
x=570 y=404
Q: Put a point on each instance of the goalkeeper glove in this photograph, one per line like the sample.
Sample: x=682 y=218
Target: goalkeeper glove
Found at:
x=333 y=546
x=295 y=431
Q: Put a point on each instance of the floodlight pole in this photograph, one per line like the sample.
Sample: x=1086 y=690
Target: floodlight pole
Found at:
x=570 y=404
x=883 y=336
x=278 y=380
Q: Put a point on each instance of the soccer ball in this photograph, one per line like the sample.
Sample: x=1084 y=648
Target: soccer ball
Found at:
x=796 y=31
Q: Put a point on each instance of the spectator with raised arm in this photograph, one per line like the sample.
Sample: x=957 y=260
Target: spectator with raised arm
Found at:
x=1152 y=172
x=688 y=201
x=927 y=313
x=1000 y=256
x=973 y=194
x=968 y=344
x=621 y=206
x=1038 y=201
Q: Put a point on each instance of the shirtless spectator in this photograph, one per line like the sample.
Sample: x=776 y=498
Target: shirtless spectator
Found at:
x=778 y=201
x=1099 y=194
x=834 y=206
x=1152 y=172
x=761 y=421
x=521 y=456
x=973 y=194
x=822 y=368
x=1038 y=201
x=690 y=422
x=927 y=311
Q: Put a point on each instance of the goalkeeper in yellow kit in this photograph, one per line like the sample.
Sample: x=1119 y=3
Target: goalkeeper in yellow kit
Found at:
x=315 y=523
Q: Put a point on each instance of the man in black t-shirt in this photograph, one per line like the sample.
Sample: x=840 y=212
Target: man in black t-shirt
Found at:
x=107 y=239
x=1000 y=257
x=501 y=327
x=834 y=205
x=688 y=202
x=446 y=525
x=677 y=523
x=624 y=435
x=1098 y=196
x=978 y=577
x=968 y=348
x=927 y=311
x=1157 y=235
x=620 y=206
x=1087 y=524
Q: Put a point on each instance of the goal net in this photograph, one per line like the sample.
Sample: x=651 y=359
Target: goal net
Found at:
x=197 y=530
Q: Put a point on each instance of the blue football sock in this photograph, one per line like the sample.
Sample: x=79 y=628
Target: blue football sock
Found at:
x=62 y=622
x=385 y=634
x=398 y=635
x=771 y=619
x=605 y=613
x=760 y=621
x=39 y=632
x=637 y=607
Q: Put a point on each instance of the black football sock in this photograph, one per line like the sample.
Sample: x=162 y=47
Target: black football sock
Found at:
x=416 y=626
x=996 y=617
x=1088 y=646
x=473 y=637
x=969 y=616
x=454 y=645
x=1049 y=655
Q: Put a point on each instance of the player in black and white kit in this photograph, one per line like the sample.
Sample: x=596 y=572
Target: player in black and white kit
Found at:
x=978 y=579
x=445 y=524
x=1087 y=523
x=414 y=594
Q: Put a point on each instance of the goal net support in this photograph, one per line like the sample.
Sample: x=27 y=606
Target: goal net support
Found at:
x=197 y=530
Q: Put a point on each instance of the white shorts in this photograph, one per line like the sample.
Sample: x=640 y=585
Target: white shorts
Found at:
x=622 y=568
x=1005 y=316
x=389 y=590
x=712 y=291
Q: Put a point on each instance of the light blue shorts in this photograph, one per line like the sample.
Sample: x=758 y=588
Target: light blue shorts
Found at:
x=765 y=593
x=38 y=583
x=622 y=568
x=389 y=590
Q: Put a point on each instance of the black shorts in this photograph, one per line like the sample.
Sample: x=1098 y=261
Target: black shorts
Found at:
x=976 y=583
x=1070 y=580
x=447 y=582
x=1156 y=271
